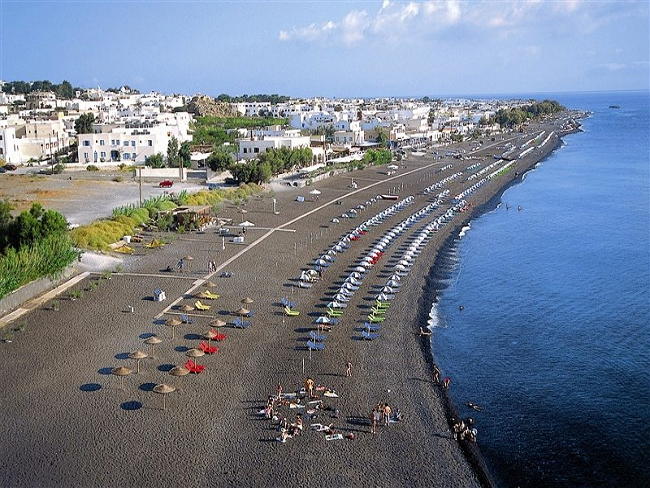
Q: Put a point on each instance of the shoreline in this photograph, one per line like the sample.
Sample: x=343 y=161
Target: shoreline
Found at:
x=432 y=292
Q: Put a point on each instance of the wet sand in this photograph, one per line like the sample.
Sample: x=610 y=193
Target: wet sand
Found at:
x=66 y=421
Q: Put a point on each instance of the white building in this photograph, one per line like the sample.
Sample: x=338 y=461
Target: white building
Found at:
x=133 y=142
x=253 y=147
x=22 y=141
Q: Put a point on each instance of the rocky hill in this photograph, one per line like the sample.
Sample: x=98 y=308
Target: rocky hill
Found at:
x=205 y=105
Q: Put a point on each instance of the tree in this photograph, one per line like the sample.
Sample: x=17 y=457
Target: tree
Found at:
x=84 y=124
x=184 y=155
x=172 y=152
x=219 y=160
x=155 y=161
x=382 y=138
x=64 y=90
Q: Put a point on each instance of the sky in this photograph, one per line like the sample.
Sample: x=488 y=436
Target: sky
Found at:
x=333 y=48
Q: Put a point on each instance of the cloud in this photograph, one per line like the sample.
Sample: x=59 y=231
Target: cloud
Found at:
x=397 y=21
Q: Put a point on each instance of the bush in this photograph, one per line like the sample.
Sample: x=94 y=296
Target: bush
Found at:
x=58 y=169
x=46 y=257
x=118 y=179
x=92 y=167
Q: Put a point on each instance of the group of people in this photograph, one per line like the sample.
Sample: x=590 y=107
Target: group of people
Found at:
x=382 y=414
x=464 y=429
x=212 y=266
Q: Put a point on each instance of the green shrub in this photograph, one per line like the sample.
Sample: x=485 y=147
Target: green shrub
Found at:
x=118 y=179
x=47 y=257
x=92 y=167
x=58 y=169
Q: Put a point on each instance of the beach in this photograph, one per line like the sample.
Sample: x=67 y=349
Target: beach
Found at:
x=68 y=422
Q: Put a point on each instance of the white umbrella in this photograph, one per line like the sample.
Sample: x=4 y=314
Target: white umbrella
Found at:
x=246 y=223
x=315 y=192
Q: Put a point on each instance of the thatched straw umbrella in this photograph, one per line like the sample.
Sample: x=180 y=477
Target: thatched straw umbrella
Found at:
x=163 y=389
x=179 y=371
x=187 y=308
x=194 y=353
x=242 y=311
x=210 y=335
x=247 y=300
x=209 y=284
x=152 y=341
x=217 y=323
x=121 y=372
x=138 y=356
x=173 y=323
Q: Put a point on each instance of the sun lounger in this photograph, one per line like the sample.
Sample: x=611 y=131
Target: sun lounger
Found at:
x=330 y=394
x=238 y=323
x=315 y=346
x=334 y=313
x=291 y=313
x=193 y=367
x=155 y=243
x=208 y=295
x=203 y=346
x=378 y=311
x=369 y=336
x=199 y=306
x=317 y=337
x=304 y=284
x=373 y=319
x=371 y=327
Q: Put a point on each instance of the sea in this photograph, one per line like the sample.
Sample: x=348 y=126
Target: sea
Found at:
x=552 y=340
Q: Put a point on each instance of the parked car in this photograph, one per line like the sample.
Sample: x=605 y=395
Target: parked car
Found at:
x=165 y=184
x=2 y=170
x=10 y=167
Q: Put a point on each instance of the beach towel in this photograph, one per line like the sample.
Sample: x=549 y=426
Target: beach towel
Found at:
x=330 y=394
x=334 y=437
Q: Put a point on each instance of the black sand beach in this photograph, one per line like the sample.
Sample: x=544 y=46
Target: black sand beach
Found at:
x=67 y=422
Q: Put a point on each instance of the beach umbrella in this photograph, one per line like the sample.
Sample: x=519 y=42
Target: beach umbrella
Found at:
x=242 y=311
x=187 y=308
x=173 y=323
x=152 y=341
x=121 y=372
x=247 y=223
x=138 y=356
x=315 y=192
x=194 y=353
x=247 y=300
x=217 y=323
x=322 y=320
x=179 y=371
x=188 y=258
x=209 y=284
x=163 y=389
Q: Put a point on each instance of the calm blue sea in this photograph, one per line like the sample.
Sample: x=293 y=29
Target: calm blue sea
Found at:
x=553 y=340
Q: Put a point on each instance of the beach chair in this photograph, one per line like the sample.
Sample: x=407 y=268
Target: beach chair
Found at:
x=315 y=346
x=305 y=284
x=371 y=327
x=334 y=313
x=374 y=319
x=291 y=313
x=238 y=323
x=369 y=336
x=185 y=318
x=208 y=295
x=315 y=336
x=199 y=306
x=155 y=243
x=378 y=311
x=382 y=305
x=203 y=346
x=193 y=367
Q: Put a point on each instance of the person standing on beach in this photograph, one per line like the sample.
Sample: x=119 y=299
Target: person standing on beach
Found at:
x=376 y=418
x=387 y=412
x=179 y=265
x=373 y=421
x=446 y=382
x=348 y=369
x=309 y=387
x=436 y=374
x=278 y=390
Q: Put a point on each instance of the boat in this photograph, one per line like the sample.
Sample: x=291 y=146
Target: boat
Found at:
x=614 y=106
x=390 y=197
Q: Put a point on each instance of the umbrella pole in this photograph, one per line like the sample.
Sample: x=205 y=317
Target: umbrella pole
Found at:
x=164 y=406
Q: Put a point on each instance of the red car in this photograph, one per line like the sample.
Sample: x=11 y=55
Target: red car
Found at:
x=165 y=184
